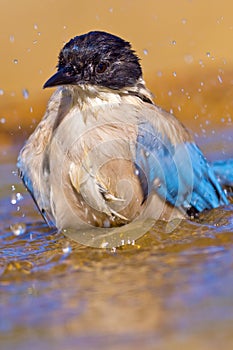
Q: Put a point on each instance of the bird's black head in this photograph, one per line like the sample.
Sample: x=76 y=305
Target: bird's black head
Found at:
x=97 y=58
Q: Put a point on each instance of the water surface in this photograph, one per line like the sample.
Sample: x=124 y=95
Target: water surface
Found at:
x=168 y=291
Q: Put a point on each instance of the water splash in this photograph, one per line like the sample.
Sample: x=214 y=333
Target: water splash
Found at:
x=18 y=229
x=220 y=79
x=12 y=38
x=16 y=197
x=25 y=94
x=188 y=58
x=67 y=249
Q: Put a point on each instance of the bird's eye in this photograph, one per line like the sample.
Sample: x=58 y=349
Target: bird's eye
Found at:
x=101 y=67
x=70 y=70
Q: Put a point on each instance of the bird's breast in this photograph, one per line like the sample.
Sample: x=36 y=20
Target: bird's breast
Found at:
x=94 y=148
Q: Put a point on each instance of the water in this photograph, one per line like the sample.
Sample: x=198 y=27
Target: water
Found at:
x=166 y=291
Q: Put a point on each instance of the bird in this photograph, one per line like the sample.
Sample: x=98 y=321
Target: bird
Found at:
x=105 y=154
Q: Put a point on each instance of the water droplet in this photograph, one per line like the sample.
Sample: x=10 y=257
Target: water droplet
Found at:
x=111 y=10
x=169 y=93
x=188 y=58
x=16 y=197
x=2 y=120
x=224 y=61
x=13 y=199
x=219 y=20
x=67 y=249
x=64 y=27
x=104 y=245
x=136 y=172
x=122 y=242
x=106 y=223
x=201 y=63
x=19 y=196
x=145 y=51
x=208 y=54
x=18 y=229
x=174 y=74
x=31 y=109
x=12 y=38
x=113 y=249
x=39 y=33
x=173 y=42
x=34 y=42
x=1 y=92
x=184 y=21
x=220 y=79
x=25 y=93
x=15 y=61
x=35 y=26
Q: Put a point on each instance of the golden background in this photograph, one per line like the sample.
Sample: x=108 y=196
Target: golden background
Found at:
x=185 y=46
x=173 y=292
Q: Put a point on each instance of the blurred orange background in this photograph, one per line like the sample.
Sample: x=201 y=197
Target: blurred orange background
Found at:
x=185 y=46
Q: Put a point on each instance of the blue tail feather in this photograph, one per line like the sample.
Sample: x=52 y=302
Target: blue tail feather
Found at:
x=223 y=169
x=179 y=173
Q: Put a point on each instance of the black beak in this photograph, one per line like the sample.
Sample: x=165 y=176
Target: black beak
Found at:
x=59 y=78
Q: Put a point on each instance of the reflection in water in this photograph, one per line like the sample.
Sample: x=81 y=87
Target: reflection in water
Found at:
x=168 y=290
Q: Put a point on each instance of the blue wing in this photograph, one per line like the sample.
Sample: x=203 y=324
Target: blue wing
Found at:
x=178 y=173
x=224 y=171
